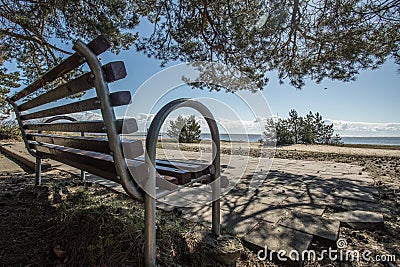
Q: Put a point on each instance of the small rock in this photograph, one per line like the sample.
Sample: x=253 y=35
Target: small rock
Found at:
x=224 y=249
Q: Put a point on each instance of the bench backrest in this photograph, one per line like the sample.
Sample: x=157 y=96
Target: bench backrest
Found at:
x=35 y=119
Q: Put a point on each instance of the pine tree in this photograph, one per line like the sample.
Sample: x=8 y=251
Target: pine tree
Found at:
x=307 y=135
x=270 y=133
x=186 y=130
x=310 y=129
x=294 y=121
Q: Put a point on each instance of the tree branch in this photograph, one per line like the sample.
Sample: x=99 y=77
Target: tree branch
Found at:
x=33 y=39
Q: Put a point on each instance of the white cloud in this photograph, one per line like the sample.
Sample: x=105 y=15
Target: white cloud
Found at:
x=378 y=129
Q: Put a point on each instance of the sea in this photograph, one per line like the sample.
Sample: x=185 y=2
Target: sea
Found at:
x=393 y=141
x=389 y=141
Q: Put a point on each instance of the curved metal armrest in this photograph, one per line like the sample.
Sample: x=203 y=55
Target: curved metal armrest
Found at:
x=159 y=119
x=150 y=185
x=61 y=117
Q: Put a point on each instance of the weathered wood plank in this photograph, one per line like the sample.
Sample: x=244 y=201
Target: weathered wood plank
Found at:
x=98 y=46
x=95 y=163
x=93 y=144
x=183 y=176
x=100 y=145
x=116 y=99
x=132 y=149
x=163 y=183
x=196 y=170
x=113 y=70
x=95 y=126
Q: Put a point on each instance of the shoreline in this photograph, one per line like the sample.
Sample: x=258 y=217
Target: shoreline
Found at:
x=255 y=149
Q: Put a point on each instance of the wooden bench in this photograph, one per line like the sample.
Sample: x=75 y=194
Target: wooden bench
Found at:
x=51 y=132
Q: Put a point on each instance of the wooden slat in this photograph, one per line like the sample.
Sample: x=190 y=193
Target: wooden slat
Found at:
x=182 y=165
x=113 y=72
x=98 y=46
x=163 y=183
x=95 y=126
x=171 y=179
x=117 y=99
x=96 y=163
x=192 y=167
x=183 y=176
x=129 y=126
x=100 y=145
x=132 y=151
x=138 y=171
x=93 y=144
x=196 y=170
x=140 y=176
x=79 y=126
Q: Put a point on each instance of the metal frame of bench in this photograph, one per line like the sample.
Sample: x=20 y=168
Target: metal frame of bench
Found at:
x=88 y=53
x=151 y=142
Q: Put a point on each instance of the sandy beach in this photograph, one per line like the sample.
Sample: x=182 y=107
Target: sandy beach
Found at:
x=255 y=149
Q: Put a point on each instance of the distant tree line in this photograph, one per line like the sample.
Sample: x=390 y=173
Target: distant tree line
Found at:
x=310 y=129
x=9 y=130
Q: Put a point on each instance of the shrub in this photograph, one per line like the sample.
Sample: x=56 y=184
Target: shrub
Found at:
x=9 y=129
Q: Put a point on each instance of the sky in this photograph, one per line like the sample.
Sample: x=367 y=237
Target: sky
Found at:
x=365 y=107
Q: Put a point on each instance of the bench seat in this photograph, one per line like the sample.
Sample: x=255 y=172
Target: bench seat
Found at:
x=98 y=162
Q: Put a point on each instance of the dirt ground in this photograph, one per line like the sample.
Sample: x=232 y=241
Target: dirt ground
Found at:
x=66 y=222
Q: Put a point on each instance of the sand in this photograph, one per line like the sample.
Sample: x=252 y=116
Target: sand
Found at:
x=342 y=150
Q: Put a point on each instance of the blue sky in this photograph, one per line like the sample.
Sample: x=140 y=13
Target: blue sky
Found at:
x=366 y=107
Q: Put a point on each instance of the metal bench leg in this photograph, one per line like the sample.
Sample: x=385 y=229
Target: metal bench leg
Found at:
x=83 y=176
x=150 y=217
x=150 y=231
x=216 y=205
x=38 y=170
